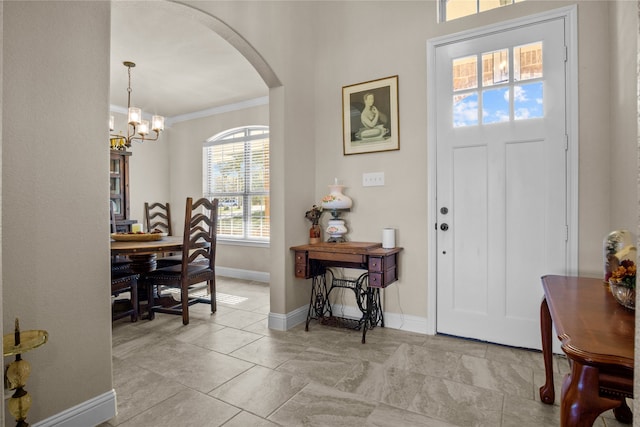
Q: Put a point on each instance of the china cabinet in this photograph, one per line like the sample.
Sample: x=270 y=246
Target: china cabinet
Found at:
x=119 y=188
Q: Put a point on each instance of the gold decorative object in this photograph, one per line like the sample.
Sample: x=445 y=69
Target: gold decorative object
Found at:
x=19 y=370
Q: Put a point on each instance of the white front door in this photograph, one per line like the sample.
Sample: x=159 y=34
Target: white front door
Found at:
x=501 y=150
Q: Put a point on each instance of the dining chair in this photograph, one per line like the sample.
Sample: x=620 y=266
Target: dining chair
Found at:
x=118 y=263
x=112 y=219
x=121 y=282
x=158 y=217
x=197 y=266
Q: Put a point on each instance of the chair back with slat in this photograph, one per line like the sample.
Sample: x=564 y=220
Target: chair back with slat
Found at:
x=114 y=225
x=158 y=217
x=197 y=262
x=200 y=232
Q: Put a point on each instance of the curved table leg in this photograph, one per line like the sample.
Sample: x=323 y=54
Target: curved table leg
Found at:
x=623 y=413
x=581 y=403
x=547 y=391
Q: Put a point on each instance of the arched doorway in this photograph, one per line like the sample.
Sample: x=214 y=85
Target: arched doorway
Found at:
x=192 y=47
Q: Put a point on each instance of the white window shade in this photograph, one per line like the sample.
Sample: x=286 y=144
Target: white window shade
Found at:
x=236 y=171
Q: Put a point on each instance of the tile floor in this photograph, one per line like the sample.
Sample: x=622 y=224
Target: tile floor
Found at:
x=229 y=369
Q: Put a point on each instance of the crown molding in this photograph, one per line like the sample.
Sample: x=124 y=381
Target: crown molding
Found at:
x=250 y=103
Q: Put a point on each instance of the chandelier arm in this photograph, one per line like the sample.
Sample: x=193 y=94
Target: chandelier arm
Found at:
x=144 y=138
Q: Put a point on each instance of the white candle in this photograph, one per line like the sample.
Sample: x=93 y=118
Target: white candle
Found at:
x=388 y=238
x=335 y=181
x=136 y=228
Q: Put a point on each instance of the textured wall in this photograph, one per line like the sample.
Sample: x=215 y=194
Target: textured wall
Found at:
x=55 y=250
x=636 y=382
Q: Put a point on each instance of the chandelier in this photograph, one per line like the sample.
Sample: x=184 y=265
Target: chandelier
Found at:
x=137 y=128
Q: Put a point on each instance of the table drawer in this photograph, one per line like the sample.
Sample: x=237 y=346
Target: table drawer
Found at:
x=341 y=257
x=382 y=280
x=301 y=271
x=301 y=257
x=302 y=266
x=380 y=264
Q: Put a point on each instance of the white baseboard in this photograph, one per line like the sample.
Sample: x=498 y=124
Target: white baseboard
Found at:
x=403 y=322
x=89 y=413
x=236 y=273
x=284 y=322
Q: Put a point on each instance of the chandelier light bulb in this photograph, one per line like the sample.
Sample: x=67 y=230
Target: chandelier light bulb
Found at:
x=157 y=123
x=143 y=128
x=135 y=116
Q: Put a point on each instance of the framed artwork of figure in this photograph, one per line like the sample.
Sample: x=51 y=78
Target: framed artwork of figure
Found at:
x=370 y=116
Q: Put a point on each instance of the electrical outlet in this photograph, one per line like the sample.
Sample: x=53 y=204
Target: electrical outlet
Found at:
x=373 y=179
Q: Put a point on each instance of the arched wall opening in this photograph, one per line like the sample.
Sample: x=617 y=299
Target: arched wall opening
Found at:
x=176 y=138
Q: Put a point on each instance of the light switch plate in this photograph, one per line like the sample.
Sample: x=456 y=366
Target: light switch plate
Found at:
x=373 y=179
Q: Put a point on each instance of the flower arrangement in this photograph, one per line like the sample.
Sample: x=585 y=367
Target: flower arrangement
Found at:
x=625 y=274
x=314 y=214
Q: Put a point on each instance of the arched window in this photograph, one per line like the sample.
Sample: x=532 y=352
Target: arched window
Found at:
x=236 y=171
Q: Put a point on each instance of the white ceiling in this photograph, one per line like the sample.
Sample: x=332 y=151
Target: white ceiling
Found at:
x=182 y=67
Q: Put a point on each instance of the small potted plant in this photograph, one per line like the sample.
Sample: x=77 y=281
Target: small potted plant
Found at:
x=315 y=231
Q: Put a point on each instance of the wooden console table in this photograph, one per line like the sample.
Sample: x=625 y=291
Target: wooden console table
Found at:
x=315 y=261
x=597 y=336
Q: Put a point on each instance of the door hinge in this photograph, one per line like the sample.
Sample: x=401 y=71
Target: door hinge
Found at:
x=566 y=54
x=566 y=233
x=566 y=142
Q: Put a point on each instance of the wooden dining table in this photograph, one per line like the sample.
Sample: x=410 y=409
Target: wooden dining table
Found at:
x=143 y=254
x=597 y=336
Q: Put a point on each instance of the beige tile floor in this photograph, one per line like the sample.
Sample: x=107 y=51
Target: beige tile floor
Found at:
x=229 y=369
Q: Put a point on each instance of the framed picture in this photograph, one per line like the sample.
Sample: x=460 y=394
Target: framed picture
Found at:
x=370 y=116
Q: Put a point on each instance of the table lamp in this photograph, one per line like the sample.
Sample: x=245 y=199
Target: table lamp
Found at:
x=336 y=202
x=19 y=370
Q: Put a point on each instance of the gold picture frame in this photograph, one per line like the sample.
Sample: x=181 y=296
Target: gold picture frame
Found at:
x=370 y=116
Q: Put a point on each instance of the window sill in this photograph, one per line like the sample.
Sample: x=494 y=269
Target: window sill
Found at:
x=250 y=243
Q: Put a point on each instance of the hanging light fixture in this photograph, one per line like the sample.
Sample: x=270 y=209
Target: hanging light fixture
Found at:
x=137 y=127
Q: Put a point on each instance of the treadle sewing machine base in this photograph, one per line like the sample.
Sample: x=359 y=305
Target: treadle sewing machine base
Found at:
x=367 y=298
x=315 y=261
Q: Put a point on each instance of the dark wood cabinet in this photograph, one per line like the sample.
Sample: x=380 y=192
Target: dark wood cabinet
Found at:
x=119 y=189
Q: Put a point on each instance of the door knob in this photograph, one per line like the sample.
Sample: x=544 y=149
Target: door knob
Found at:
x=444 y=226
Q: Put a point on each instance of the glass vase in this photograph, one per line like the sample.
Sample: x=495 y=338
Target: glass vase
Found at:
x=624 y=295
x=315 y=234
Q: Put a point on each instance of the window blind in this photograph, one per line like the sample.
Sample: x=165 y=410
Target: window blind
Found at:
x=236 y=171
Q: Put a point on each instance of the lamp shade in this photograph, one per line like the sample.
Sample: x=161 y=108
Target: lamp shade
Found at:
x=157 y=123
x=335 y=199
x=143 y=128
x=135 y=116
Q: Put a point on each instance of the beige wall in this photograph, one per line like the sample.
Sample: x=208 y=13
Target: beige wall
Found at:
x=55 y=255
x=186 y=166
x=341 y=52
x=1 y=139
x=636 y=13
x=623 y=24
x=55 y=57
x=344 y=61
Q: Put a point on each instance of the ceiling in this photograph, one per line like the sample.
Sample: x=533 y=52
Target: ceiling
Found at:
x=182 y=67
